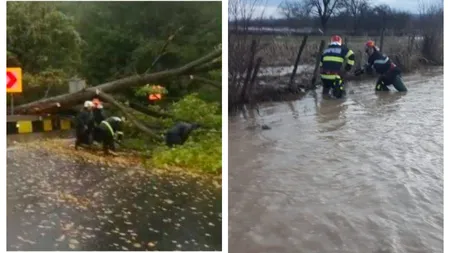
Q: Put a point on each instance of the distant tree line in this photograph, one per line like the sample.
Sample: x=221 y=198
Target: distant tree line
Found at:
x=352 y=17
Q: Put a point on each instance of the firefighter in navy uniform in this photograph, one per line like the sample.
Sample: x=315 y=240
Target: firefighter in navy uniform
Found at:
x=331 y=63
x=84 y=125
x=389 y=73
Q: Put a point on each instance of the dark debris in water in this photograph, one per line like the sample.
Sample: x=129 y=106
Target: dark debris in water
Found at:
x=56 y=204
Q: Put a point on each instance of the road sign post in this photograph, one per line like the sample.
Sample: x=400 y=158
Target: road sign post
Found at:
x=13 y=83
x=12 y=103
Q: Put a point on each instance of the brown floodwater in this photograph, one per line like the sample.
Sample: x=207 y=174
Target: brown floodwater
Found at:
x=362 y=174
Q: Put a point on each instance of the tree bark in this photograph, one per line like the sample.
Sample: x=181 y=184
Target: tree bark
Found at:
x=68 y=100
x=214 y=84
x=145 y=110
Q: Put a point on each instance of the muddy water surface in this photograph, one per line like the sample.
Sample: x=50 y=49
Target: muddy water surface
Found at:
x=364 y=174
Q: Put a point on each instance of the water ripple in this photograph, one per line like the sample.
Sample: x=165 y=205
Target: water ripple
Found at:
x=360 y=175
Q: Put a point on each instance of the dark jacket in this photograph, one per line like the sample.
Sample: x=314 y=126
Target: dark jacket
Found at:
x=381 y=63
x=99 y=115
x=84 y=121
x=178 y=134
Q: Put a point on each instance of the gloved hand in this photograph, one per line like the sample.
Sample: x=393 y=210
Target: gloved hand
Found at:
x=359 y=72
x=119 y=136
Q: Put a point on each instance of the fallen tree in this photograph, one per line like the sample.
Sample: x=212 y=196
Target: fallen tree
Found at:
x=207 y=62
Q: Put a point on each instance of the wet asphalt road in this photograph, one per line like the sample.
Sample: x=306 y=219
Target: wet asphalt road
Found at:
x=55 y=204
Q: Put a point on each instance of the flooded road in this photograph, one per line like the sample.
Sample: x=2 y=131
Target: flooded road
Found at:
x=56 y=204
x=364 y=174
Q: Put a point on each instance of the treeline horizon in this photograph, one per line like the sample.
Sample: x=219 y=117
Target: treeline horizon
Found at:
x=353 y=17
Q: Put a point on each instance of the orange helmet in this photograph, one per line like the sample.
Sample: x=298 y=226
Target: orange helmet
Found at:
x=335 y=39
x=97 y=103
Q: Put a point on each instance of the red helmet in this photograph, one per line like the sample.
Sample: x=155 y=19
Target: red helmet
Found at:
x=370 y=43
x=335 y=39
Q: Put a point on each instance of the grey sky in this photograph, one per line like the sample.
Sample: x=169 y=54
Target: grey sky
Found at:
x=271 y=9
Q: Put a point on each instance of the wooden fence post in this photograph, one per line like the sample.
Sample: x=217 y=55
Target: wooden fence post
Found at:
x=316 y=68
x=292 y=84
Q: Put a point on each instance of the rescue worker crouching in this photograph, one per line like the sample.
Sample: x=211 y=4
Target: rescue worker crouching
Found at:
x=110 y=131
x=331 y=63
x=178 y=134
x=84 y=125
x=390 y=74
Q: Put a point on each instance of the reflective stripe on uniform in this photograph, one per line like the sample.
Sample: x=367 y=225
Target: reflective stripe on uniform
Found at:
x=330 y=76
x=350 y=52
x=108 y=126
x=379 y=61
x=350 y=62
x=333 y=58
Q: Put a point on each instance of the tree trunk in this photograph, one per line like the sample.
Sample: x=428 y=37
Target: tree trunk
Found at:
x=69 y=100
x=147 y=111
x=214 y=84
x=253 y=79
x=244 y=92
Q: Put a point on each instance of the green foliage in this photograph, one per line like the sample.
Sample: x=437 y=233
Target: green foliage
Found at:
x=39 y=37
x=204 y=154
x=203 y=150
x=105 y=41
x=45 y=44
x=192 y=109
x=128 y=36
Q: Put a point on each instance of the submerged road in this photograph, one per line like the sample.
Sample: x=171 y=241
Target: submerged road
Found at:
x=57 y=204
x=359 y=175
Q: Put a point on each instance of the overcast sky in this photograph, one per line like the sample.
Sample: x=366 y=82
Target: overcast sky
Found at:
x=271 y=9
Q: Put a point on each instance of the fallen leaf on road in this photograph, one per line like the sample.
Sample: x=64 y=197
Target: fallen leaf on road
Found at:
x=61 y=238
x=25 y=240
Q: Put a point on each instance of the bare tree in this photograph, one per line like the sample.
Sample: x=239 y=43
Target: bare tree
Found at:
x=242 y=48
x=294 y=10
x=383 y=12
x=323 y=9
x=356 y=9
x=431 y=25
x=241 y=13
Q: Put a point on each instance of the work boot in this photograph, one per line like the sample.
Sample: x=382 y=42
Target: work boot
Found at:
x=380 y=86
x=339 y=89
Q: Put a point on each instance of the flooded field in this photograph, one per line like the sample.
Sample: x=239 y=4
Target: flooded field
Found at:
x=364 y=174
